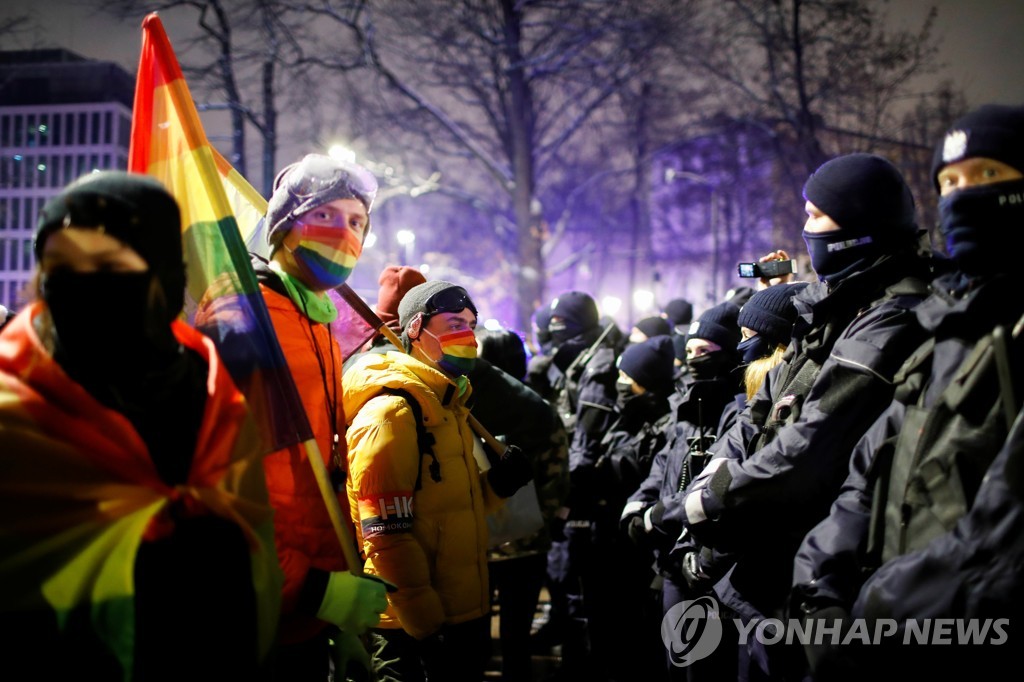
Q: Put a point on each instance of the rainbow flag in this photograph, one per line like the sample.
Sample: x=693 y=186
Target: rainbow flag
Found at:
x=223 y=299
x=79 y=494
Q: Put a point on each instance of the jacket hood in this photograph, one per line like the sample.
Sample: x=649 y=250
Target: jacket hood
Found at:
x=374 y=371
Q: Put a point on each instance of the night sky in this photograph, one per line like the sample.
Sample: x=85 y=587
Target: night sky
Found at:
x=981 y=42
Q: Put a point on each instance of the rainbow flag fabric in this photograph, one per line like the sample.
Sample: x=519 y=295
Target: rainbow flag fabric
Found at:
x=79 y=494
x=223 y=298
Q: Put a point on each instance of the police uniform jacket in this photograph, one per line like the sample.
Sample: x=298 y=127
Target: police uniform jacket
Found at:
x=757 y=498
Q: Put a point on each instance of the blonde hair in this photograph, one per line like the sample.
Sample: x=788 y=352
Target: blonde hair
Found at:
x=756 y=371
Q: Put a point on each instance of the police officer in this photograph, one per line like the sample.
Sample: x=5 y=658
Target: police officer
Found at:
x=900 y=522
x=775 y=473
x=583 y=376
x=652 y=515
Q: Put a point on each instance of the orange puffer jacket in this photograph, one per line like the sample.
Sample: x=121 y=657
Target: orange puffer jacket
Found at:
x=302 y=527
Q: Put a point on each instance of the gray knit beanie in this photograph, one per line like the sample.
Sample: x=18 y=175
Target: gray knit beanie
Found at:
x=415 y=300
x=312 y=182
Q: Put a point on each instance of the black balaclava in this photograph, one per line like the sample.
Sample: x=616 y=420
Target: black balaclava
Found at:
x=984 y=225
x=771 y=313
x=128 y=359
x=135 y=336
x=871 y=203
x=577 y=313
x=541 y=320
x=650 y=363
x=575 y=329
x=719 y=325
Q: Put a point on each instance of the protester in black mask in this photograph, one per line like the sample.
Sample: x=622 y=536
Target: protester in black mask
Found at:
x=148 y=286
x=133 y=492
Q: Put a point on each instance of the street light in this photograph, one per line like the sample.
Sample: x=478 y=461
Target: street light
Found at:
x=610 y=305
x=643 y=300
x=341 y=153
x=406 y=239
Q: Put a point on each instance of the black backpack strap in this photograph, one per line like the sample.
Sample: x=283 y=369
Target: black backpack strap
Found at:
x=424 y=439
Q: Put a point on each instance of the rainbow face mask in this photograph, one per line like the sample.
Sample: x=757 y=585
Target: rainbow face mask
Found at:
x=458 y=351
x=326 y=255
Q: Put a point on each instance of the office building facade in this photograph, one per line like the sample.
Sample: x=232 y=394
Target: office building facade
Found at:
x=61 y=116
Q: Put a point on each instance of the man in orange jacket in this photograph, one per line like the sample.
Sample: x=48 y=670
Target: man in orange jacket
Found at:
x=317 y=219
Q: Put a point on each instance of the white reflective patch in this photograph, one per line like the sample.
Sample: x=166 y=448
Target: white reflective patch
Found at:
x=709 y=470
x=694 y=507
x=632 y=508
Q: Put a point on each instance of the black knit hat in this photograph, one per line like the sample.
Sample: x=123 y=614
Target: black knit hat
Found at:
x=865 y=195
x=679 y=312
x=654 y=326
x=578 y=312
x=994 y=131
x=771 y=313
x=415 y=300
x=542 y=318
x=650 y=363
x=718 y=324
x=739 y=295
x=135 y=209
x=504 y=349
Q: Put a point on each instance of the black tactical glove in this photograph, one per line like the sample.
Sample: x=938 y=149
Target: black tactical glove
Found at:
x=635 y=529
x=510 y=473
x=694 y=574
x=824 y=659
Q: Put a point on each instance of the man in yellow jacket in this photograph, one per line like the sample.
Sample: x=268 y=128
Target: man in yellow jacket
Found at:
x=419 y=496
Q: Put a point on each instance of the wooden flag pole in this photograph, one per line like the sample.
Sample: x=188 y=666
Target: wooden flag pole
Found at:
x=323 y=482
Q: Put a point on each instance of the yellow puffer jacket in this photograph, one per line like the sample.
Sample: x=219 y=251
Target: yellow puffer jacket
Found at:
x=430 y=542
